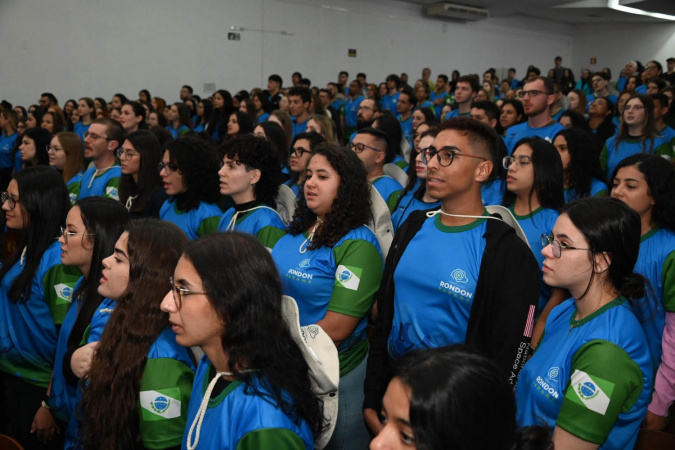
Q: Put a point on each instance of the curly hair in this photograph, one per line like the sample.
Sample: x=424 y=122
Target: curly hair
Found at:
x=197 y=160
x=109 y=412
x=257 y=153
x=583 y=165
x=351 y=207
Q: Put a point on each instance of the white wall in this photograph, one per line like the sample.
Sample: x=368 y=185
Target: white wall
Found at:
x=614 y=45
x=77 y=48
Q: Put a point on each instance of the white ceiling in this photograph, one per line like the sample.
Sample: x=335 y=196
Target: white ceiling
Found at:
x=567 y=11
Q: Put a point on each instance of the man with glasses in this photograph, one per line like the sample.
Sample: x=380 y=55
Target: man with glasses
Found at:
x=456 y=275
x=538 y=95
x=368 y=111
x=370 y=145
x=101 y=142
x=600 y=83
x=349 y=109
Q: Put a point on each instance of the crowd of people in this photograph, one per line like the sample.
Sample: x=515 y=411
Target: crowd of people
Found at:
x=148 y=246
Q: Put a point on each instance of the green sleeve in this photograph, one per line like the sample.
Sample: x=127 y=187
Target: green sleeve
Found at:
x=58 y=285
x=73 y=191
x=271 y=438
x=163 y=402
x=605 y=382
x=402 y=164
x=112 y=188
x=668 y=280
x=269 y=236
x=357 y=277
x=603 y=159
x=342 y=109
x=602 y=193
x=208 y=226
x=393 y=198
x=665 y=149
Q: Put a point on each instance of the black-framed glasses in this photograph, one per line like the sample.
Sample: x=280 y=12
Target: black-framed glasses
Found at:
x=532 y=93
x=94 y=136
x=54 y=148
x=299 y=151
x=557 y=247
x=126 y=153
x=445 y=156
x=11 y=201
x=169 y=168
x=65 y=233
x=358 y=147
x=520 y=160
x=179 y=292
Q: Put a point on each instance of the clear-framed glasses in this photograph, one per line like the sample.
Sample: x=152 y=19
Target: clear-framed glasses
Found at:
x=11 y=201
x=532 y=93
x=299 y=151
x=445 y=156
x=633 y=108
x=93 y=136
x=520 y=160
x=65 y=233
x=557 y=247
x=364 y=108
x=358 y=147
x=54 y=148
x=179 y=292
x=169 y=168
x=128 y=154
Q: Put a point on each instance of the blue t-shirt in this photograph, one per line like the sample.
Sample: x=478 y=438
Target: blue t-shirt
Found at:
x=389 y=102
x=177 y=132
x=386 y=186
x=6 y=147
x=612 y=154
x=598 y=188
x=435 y=287
x=79 y=128
x=591 y=377
x=406 y=206
x=492 y=192
x=261 y=221
x=523 y=130
x=195 y=223
x=299 y=127
x=350 y=111
x=263 y=117
x=241 y=415
x=406 y=128
x=590 y=98
x=103 y=183
x=438 y=108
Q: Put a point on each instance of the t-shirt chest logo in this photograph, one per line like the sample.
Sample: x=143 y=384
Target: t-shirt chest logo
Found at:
x=300 y=273
x=453 y=287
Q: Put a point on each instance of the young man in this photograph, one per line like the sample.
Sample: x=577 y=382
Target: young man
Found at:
x=538 y=96
x=349 y=110
x=368 y=111
x=405 y=106
x=492 y=191
x=101 y=142
x=370 y=145
x=390 y=100
x=274 y=83
x=511 y=78
x=185 y=92
x=452 y=279
x=465 y=92
x=343 y=77
x=47 y=100
x=600 y=83
x=299 y=99
x=440 y=95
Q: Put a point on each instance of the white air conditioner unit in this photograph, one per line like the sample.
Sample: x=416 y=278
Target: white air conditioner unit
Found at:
x=457 y=12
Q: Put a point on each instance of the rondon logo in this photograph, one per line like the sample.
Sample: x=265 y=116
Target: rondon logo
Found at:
x=553 y=373
x=304 y=264
x=459 y=276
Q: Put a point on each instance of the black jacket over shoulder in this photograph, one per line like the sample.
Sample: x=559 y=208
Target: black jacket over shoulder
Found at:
x=502 y=313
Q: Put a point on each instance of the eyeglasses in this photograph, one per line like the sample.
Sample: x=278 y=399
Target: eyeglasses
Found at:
x=11 y=201
x=557 y=247
x=65 y=233
x=179 y=292
x=358 y=147
x=445 y=156
x=93 y=136
x=651 y=68
x=533 y=93
x=520 y=160
x=126 y=153
x=54 y=148
x=633 y=108
x=169 y=168
x=298 y=151
x=364 y=108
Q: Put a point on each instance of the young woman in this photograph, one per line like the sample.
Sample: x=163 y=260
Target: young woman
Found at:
x=34 y=118
x=65 y=155
x=590 y=378
x=141 y=189
x=510 y=114
x=283 y=119
x=329 y=244
x=8 y=137
x=262 y=106
x=422 y=115
x=35 y=294
x=238 y=124
x=33 y=147
x=137 y=352
x=52 y=122
x=646 y=184
x=582 y=175
x=204 y=110
x=577 y=99
x=323 y=125
x=275 y=135
x=250 y=175
x=223 y=106
x=534 y=194
x=431 y=386
x=637 y=134
x=92 y=228
x=301 y=149
x=144 y=96
x=68 y=107
x=600 y=115
x=179 y=119
x=251 y=390
x=118 y=100
x=133 y=117
x=621 y=101
x=415 y=196
x=584 y=84
x=189 y=172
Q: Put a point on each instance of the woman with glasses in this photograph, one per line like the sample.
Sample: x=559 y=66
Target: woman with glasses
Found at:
x=590 y=378
x=141 y=189
x=582 y=175
x=534 y=194
x=301 y=149
x=137 y=390
x=331 y=264
x=189 y=172
x=646 y=184
x=251 y=175
x=637 y=134
x=93 y=226
x=35 y=294
x=65 y=155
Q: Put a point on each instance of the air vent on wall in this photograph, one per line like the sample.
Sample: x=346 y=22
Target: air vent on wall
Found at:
x=457 y=12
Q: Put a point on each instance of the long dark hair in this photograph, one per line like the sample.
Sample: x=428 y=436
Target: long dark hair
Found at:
x=208 y=109
x=42 y=138
x=232 y=266
x=110 y=416
x=138 y=109
x=392 y=128
x=221 y=114
x=351 y=207
x=44 y=203
x=105 y=220
x=277 y=137
x=197 y=159
x=149 y=150
x=314 y=140
x=584 y=164
x=548 y=175
x=412 y=177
